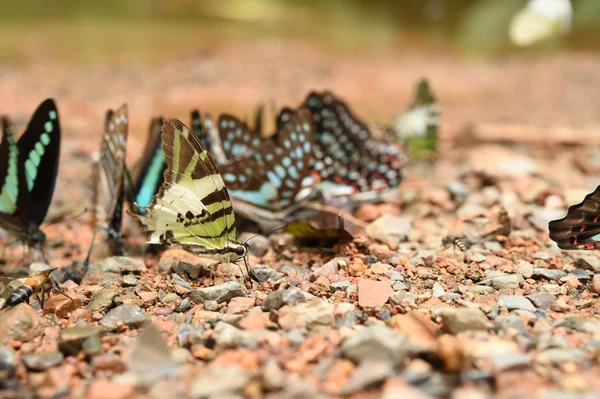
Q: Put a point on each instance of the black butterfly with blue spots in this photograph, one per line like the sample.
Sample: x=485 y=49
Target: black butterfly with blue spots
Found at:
x=28 y=170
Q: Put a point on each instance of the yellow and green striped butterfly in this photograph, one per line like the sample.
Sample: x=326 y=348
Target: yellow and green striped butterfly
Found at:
x=28 y=170
x=192 y=208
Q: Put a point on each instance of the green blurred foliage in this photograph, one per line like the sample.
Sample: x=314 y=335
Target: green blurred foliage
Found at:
x=477 y=27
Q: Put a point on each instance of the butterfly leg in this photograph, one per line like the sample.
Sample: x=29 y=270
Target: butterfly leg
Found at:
x=56 y=288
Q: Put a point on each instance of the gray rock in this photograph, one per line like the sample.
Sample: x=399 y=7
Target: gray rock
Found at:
x=395 y=275
x=109 y=270
x=71 y=339
x=291 y=269
x=478 y=257
x=188 y=334
x=227 y=336
x=211 y=306
x=389 y=229
x=130 y=315
x=169 y=298
x=512 y=321
x=8 y=361
x=21 y=323
x=339 y=286
x=525 y=269
x=328 y=269
x=542 y=300
x=276 y=299
x=510 y=361
x=185 y=304
x=102 y=300
x=42 y=361
x=423 y=257
x=588 y=262
x=129 y=280
x=511 y=302
x=397 y=297
x=509 y=281
x=366 y=374
x=561 y=355
x=92 y=346
x=179 y=281
x=556 y=394
x=455 y=321
x=541 y=255
x=375 y=343
x=437 y=290
x=548 y=274
x=580 y=324
x=193 y=270
x=264 y=273
x=581 y=275
x=220 y=293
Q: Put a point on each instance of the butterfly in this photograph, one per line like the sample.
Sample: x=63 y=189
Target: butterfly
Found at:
x=580 y=229
x=150 y=169
x=28 y=170
x=208 y=133
x=111 y=164
x=268 y=182
x=347 y=157
x=192 y=207
x=417 y=129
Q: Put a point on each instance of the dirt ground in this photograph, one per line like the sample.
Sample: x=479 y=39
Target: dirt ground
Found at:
x=391 y=314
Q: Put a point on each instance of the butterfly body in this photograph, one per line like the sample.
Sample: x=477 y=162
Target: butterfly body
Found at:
x=28 y=170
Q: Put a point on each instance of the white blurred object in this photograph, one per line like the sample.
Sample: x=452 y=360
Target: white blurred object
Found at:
x=540 y=20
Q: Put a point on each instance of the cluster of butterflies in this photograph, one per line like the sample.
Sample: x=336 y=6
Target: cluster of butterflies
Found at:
x=188 y=182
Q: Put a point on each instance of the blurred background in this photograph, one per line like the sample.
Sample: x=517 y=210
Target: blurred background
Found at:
x=167 y=56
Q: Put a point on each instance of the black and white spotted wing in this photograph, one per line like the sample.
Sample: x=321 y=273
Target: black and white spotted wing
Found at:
x=271 y=178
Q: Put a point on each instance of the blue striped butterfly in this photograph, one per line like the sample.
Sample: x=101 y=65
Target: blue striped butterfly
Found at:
x=208 y=133
x=580 y=229
x=28 y=169
x=150 y=169
x=111 y=163
x=192 y=208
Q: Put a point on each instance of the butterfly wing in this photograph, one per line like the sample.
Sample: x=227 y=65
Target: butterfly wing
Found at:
x=112 y=165
x=271 y=178
x=14 y=197
x=580 y=229
x=206 y=130
x=192 y=207
x=152 y=167
x=239 y=141
x=39 y=149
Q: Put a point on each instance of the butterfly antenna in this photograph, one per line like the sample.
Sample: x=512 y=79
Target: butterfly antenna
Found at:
x=86 y=262
x=287 y=222
x=85 y=210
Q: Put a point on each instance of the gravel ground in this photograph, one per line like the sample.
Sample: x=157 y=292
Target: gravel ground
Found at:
x=391 y=314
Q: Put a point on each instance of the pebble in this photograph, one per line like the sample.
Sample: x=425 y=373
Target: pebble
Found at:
x=328 y=269
x=510 y=321
x=220 y=293
x=373 y=293
x=548 y=274
x=524 y=268
x=71 y=339
x=588 y=262
x=480 y=289
x=170 y=298
x=240 y=305
x=102 y=300
x=561 y=355
x=129 y=280
x=542 y=300
x=264 y=273
x=306 y=314
x=423 y=257
x=381 y=268
x=272 y=375
x=375 y=343
x=458 y=320
x=8 y=361
x=276 y=299
x=478 y=257
x=259 y=244
x=21 y=323
x=509 y=281
x=395 y=275
x=437 y=290
x=389 y=229
x=128 y=314
x=581 y=275
x=339 y=286
x=42 y=361
x=368 y=373
x=397 y=297
x=515 y=302
x=596 y=284
x=510 y=361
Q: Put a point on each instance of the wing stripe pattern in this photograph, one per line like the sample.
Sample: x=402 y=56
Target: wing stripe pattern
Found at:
x=192 y=207
x=9 y=156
